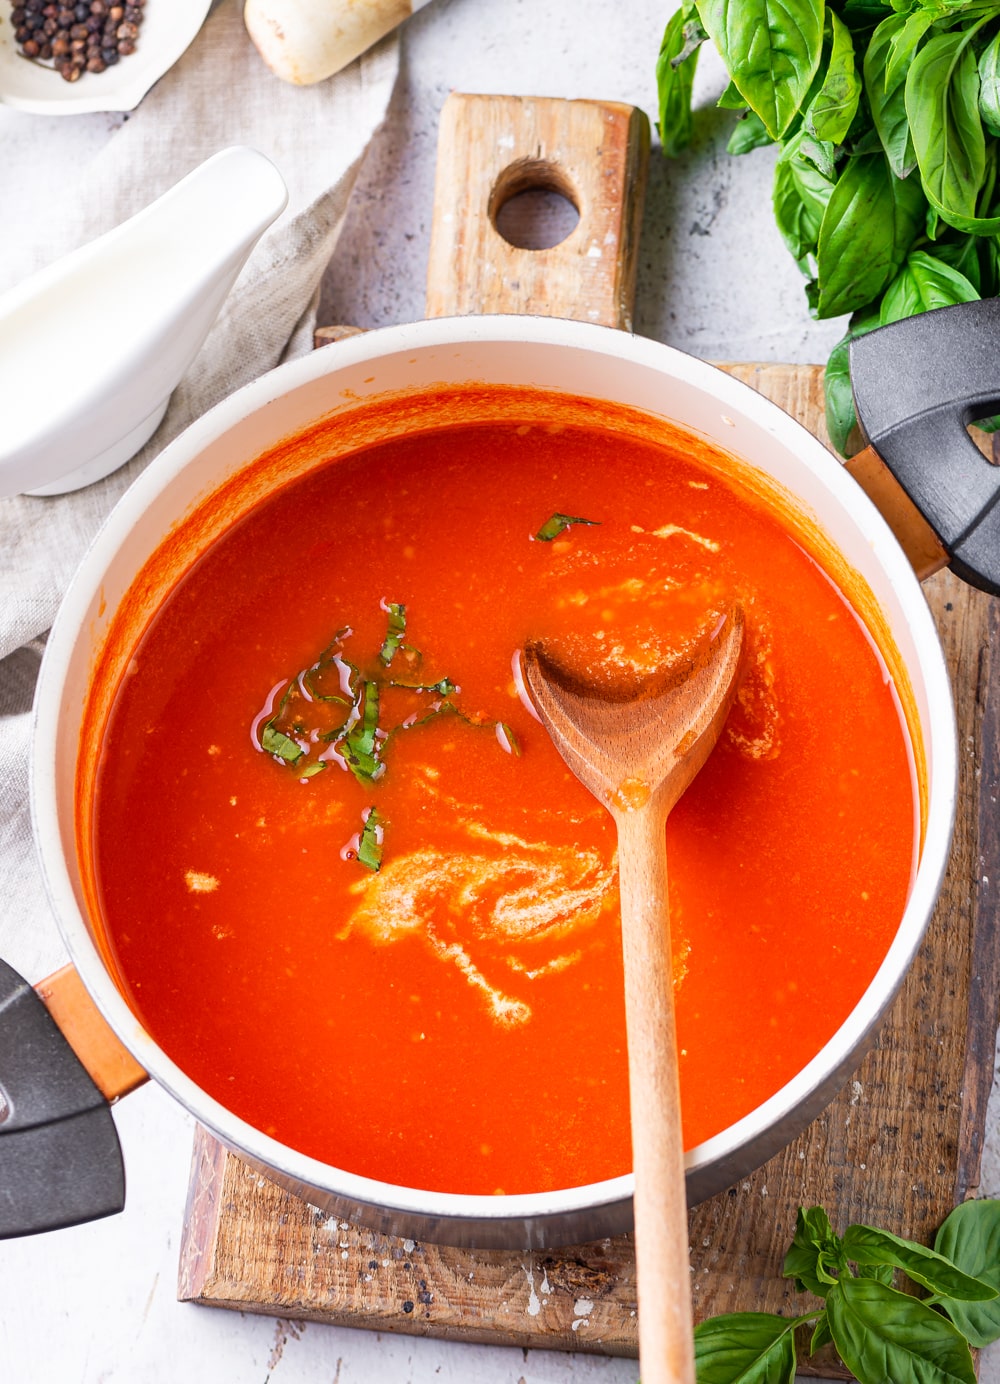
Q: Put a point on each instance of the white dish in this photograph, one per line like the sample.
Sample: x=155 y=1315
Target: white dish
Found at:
x=168 y=27
x=120 y=320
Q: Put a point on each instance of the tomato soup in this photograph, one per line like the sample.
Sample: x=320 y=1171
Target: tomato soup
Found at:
x=348 y=884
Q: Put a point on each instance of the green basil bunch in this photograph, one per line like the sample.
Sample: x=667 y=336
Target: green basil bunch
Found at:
x=887 y=114
x=879 y=1332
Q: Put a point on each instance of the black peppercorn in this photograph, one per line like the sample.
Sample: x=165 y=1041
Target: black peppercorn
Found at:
x=76 y=35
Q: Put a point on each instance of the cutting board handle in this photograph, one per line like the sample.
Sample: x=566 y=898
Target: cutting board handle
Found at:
x=595 y=154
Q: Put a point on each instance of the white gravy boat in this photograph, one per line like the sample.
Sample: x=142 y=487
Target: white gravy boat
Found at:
x=92 y=346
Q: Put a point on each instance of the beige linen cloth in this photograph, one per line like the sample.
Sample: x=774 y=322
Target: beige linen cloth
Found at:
x=220 y=93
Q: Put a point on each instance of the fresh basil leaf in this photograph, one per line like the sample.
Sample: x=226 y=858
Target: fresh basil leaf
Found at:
x=800 y=196
x=989 y=86
x=820 y=154
x=970 y=1238
x=962 y=252
x=674 y=82
x=863 y=14
x=971 y=225
x=942 y=106
x=865 y=1244
x=841 y=418
x=906 y=40
x=370 y=841
x=882 y=1334
x=924 y=282
x=731 y=99
x=868 y=142
x=311 y=770
x=274 y=741
x=886 y=100
x=748 y=133
x=882 y=1273
x=821 y=1335
x=745 y=1348
x=557 y=524
x=359 y=746
x=396 y=614
x=812 y=1226
x=870 y=222
x=771 y=50
x=986 y=193
x=833 y=109
x=814 y=1256
x=865 y=319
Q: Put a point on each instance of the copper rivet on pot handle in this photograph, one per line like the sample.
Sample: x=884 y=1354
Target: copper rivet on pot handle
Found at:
x=112 y=1068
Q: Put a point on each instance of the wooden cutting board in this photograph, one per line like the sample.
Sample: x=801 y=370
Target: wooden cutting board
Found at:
x=902 y=1142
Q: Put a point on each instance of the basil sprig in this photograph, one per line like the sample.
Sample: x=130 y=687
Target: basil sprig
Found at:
x=887 y=112
x=369 y=852
x=333 y=714
x=878 y=1331
x=559 y=523
x=396 y=620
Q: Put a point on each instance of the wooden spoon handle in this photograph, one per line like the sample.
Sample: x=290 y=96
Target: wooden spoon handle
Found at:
x=666 y=1331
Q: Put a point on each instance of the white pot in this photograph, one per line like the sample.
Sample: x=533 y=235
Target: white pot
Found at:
x=551 y=354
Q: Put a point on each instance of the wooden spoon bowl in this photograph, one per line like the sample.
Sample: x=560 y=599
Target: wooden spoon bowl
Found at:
x=636 y=747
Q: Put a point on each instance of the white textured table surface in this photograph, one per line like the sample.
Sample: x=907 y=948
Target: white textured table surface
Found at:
x=98 y=1303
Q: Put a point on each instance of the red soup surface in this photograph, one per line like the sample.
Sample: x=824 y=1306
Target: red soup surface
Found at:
x=348 y=884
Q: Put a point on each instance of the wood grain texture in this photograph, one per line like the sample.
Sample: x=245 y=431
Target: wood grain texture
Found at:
x=490 y=148
x=898 y=1147
x=663 y=1278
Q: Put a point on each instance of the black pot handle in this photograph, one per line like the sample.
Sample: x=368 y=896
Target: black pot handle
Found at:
x=60 y=1159
x=918 y=384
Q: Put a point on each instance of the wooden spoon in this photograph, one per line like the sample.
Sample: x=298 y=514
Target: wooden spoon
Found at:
x=636 y=747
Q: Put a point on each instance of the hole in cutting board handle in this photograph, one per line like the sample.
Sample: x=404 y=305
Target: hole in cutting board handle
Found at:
x=533 y=205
